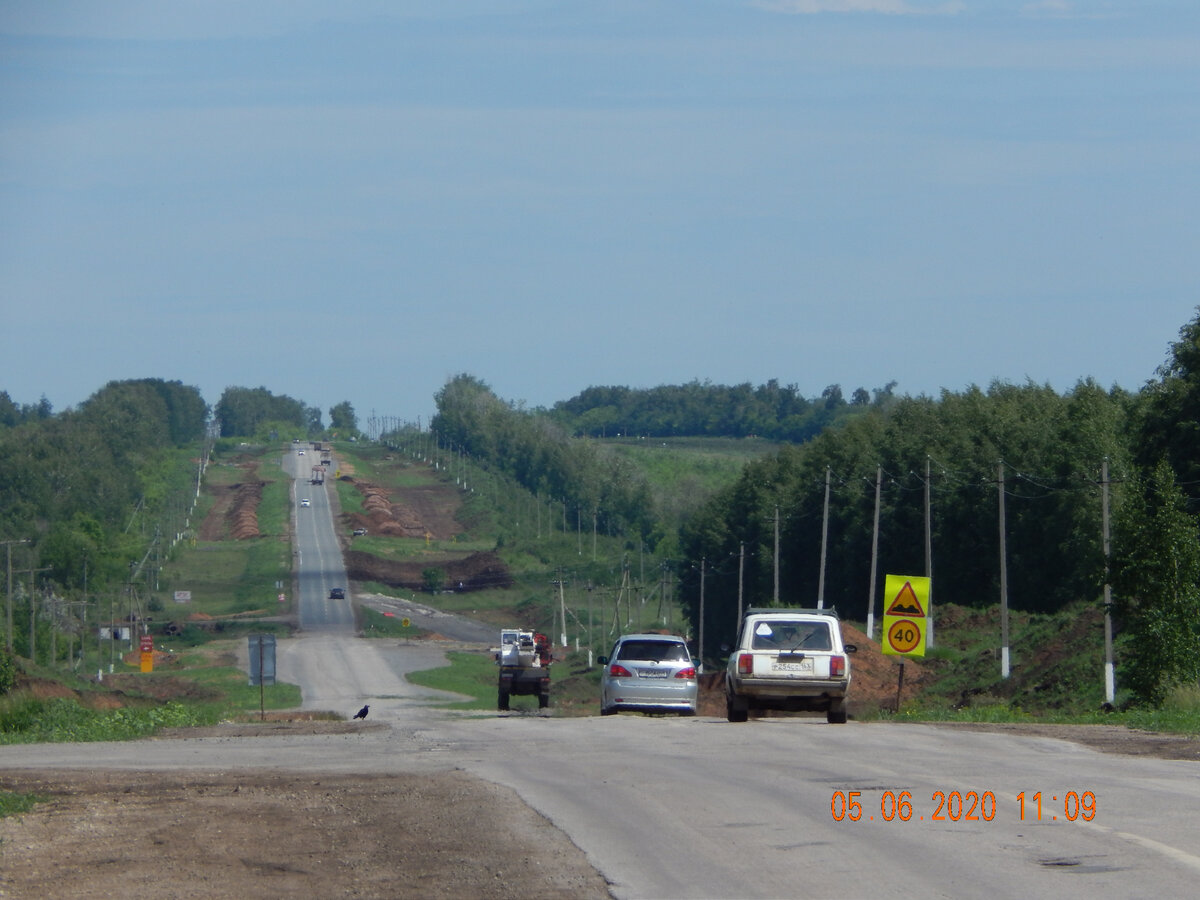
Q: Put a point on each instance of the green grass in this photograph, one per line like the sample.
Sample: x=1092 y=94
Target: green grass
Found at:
x=24 y=720
x=472 y=674
x=377 y=625
x=12 y=803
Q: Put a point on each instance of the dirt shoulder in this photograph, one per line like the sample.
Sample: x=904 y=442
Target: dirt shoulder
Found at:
x=251 y=834
x=1104 y=738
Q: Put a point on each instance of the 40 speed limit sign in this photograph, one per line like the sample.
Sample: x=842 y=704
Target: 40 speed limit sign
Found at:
x=905 y=617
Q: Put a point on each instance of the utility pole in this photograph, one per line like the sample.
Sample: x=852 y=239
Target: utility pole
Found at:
x=874 y=555
x=824 y=542
x=741 y=578
x=775 y=596
x=562 y=599
x=928 y=555
x=1003 y=584
x=700 y=641
x=8 y=545
x=33 y=613
x=1109 y=678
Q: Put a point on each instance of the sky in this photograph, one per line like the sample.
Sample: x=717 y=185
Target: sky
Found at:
x=358 y=201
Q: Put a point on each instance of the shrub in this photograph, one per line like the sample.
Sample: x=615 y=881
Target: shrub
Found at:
x=8 y=672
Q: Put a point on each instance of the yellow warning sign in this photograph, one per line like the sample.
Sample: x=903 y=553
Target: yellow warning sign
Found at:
x=909 y=593
x=906 y=615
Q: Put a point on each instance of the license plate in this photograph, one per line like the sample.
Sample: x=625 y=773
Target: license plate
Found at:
x=805 y=666
x=652 y=673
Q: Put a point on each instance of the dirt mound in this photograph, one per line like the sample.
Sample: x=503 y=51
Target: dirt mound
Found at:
x=243 y=515
x=424 y=511
x=234 y=510
x=475 y=572
x=874 y=675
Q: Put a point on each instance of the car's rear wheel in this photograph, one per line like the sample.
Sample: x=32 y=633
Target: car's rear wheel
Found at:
x=736 y=710
x=837 y=713
x=608 y=710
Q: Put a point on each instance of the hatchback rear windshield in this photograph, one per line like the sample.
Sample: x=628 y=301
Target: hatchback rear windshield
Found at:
x=791 y=636
x=656 y=650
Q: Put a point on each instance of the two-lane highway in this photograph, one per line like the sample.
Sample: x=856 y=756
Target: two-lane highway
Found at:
x=318 y=555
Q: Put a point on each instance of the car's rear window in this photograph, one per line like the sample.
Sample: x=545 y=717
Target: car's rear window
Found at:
x=785 y=635
x=664 y=651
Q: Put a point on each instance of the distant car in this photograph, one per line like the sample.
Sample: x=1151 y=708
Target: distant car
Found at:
x=337 y=593
x=299 y=452
x=649 y=673
x=359 y=532
x=305 y=502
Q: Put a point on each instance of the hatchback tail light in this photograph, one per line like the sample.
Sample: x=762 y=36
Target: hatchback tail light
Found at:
x=619 y=671
x=689 y=672
x=746 y=664
x=837 y=666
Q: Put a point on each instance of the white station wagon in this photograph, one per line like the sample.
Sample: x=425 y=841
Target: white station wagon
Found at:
x=789 y=659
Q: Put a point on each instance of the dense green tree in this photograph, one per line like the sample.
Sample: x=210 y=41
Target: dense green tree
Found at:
x=1156 y=584
x=539 y=455
x=342 y=418
x=243 y=412
x=1170 y=424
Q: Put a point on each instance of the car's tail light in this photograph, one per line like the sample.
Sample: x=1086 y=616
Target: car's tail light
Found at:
x=689 y=672
x=837 y=666
x=746 y=664
x=618 y=671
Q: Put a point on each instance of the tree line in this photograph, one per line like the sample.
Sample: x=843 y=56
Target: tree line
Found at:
x=704 y=409
x=74 y=482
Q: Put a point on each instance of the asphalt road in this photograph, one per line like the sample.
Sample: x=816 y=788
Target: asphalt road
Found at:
x=318 y=554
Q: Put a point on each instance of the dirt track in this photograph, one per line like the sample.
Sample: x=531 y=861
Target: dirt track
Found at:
x=120 y=834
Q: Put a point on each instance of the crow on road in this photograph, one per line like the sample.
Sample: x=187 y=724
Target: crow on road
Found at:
x=362 y=713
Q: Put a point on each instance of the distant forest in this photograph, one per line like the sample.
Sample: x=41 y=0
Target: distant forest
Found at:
x=703 y=409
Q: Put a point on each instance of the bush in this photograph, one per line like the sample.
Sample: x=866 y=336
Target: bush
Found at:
x=8 y=672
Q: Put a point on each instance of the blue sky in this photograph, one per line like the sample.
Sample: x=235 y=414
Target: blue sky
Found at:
x=356 y=201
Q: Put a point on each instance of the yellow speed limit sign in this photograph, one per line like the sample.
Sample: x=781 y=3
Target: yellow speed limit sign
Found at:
x=905 y=616
x=905 y=637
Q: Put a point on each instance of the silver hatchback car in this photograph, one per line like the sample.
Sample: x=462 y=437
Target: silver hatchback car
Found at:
x=650 y=673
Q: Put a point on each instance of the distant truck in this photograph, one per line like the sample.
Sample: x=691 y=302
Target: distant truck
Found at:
x=524 y=658
x=318 y=475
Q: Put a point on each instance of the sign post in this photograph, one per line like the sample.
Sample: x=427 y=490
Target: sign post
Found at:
x=147 y=650
x=262 y=666
x=906 y=620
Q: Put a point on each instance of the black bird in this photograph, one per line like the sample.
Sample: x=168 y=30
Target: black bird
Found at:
x=362 y=713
